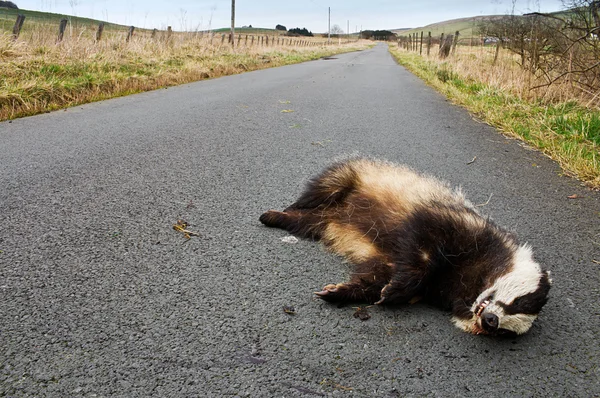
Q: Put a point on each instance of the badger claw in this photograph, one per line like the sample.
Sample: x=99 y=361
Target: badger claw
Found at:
x=327 y=290
x=324 y=292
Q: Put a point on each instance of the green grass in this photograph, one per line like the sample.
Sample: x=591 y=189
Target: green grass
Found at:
x=567 y=132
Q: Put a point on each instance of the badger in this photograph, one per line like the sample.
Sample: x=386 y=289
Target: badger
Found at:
x=410 y=237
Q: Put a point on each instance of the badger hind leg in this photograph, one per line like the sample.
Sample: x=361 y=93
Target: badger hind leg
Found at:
x=366 y=283
x=301 y=223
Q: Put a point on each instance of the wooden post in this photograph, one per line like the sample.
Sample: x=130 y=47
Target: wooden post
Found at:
x=499 y=44
x=130 y=33
x=61 y=29
x=18 y=26
x=428 y=43
x=246 y=41
x=101 y=29
x=252 y=42
x=455 y=42
x=153 y=36
x=446 y=46
x=421 y=45
x=267 y=39
x=239 y=39
x=222 y=38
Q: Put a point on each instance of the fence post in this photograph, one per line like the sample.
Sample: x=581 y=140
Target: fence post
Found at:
x=130 y=33
x=153 y=35
x=61 y=30
x=222 y=39
x=455 y=42
x=246 y=41
x=239 y=39
x=446 y=46
x=428 y=43
x=18 y=26
x=421 y=45
x=101 y=29
x=252 y=42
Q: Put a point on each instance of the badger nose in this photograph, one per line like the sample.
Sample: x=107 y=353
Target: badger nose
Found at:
x=489 y=322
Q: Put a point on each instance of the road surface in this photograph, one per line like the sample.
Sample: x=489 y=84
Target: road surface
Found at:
x=101 y=297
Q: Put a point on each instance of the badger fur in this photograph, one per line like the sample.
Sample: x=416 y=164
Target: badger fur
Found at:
x=411 y=237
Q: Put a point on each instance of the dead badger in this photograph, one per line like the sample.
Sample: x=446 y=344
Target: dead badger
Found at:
x=411 y=237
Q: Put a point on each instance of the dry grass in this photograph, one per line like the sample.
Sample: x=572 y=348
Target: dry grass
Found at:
x=558 y=120
x=38 y=75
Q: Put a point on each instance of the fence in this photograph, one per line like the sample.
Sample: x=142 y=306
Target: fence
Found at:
x=447 y=43
x=128 y=33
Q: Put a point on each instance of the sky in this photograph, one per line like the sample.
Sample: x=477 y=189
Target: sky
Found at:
x=311 y=14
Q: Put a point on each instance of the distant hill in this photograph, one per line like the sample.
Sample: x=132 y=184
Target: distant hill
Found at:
x=466 y=27
x=8 y=16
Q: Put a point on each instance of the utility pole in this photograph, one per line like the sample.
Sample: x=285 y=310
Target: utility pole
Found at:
x=329 y=28
x=348 y=31
x=232 y=23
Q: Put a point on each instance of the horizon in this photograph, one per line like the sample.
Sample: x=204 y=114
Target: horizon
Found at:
x=191 y=15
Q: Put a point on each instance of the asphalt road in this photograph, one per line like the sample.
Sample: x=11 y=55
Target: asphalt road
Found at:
x=100 y=297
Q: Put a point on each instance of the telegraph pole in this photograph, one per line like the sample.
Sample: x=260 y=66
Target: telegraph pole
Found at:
x=232 y=23
x=329 y=28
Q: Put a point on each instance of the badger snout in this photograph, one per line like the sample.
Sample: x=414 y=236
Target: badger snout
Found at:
x=489 y=322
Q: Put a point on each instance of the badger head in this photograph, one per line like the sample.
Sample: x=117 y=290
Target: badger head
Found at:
x=513 y=301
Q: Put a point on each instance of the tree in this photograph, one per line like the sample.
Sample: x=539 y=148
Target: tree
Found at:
x=8 y=4
x=337 y=30
x=299 y=32
x=280 y=27
x=378 y=35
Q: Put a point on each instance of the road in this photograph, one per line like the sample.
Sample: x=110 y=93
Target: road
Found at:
x=100 y=297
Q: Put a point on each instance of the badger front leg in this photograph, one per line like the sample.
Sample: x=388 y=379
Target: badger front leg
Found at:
x=406 y=285
x=365 y=284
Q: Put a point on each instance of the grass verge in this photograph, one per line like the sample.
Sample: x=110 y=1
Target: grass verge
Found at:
x=40 y=77
x=567 y=132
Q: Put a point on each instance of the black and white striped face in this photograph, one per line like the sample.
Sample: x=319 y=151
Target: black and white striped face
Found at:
x=513 y=302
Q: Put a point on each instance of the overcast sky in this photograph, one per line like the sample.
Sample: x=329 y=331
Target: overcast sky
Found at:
x=312 y=14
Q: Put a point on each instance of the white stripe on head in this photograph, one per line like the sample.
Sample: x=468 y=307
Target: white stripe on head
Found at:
x=523 y=278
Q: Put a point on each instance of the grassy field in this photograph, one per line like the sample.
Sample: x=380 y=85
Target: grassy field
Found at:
x=561 y=124
x=38 y=75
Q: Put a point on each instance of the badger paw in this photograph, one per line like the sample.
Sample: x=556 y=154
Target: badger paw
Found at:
x=384 y=294
x=333 y=292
